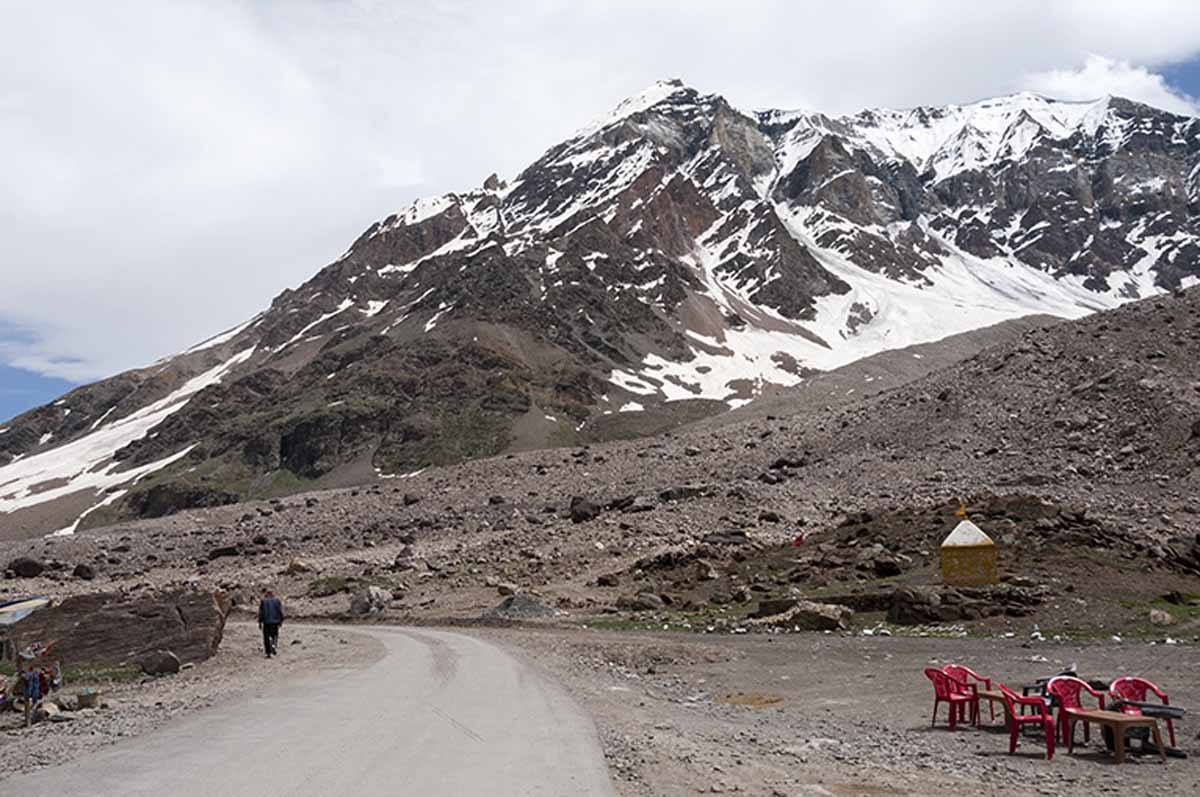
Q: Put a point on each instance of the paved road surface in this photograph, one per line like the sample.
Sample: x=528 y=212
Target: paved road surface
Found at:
x=440 y=714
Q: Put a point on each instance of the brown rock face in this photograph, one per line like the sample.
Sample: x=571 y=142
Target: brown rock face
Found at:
x=110 y=628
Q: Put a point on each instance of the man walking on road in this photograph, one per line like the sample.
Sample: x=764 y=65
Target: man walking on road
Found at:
x=270 y=617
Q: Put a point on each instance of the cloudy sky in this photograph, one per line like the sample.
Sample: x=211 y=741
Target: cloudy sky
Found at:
x=169 y=166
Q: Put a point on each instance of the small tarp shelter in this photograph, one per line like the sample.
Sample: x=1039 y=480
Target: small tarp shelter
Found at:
x=968 y=557
x=11 y=612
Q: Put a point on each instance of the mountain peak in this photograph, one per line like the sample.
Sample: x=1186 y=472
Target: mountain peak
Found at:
x=677 y=252
x=644 y=100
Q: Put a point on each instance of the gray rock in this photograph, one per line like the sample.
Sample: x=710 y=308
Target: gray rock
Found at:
x=808 y=616
x=520 y=606
x=369 y=600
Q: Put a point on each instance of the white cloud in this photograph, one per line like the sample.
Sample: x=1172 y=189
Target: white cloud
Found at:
x=1100 y=76
x=169 y=167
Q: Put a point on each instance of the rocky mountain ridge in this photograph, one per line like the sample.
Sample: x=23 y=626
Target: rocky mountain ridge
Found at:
x=678 y=257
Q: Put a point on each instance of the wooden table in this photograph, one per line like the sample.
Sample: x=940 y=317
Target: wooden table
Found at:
x=1119 y=723
x=994 y=696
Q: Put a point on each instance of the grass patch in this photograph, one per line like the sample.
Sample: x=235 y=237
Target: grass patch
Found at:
x=332 y=585
x=7 y=669
x=112 y=674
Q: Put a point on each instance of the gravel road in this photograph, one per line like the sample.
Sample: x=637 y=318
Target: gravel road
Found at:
x=440 y=713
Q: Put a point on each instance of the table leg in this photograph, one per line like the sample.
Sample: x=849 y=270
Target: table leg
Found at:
x=1158 y=741
x=1119 y=744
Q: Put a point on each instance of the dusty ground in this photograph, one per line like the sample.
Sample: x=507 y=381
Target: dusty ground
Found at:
x=824 y=714
x=140 y=705
x=681 y=713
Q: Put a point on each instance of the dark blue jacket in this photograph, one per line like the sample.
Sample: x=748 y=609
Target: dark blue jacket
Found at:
x=270 y=611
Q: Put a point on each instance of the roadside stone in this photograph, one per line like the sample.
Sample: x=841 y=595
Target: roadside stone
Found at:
x=369 y=600
x=84 y=571
x=159 y=663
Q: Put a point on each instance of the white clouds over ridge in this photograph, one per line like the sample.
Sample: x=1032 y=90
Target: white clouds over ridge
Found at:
x=170 y=167
x=1099 y=76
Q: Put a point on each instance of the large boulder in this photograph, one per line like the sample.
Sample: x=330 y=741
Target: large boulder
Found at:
x=111 y=629
x=24 y=567
x=808 y=616
x=369 y=600
x=520 y=606
x=917 y=605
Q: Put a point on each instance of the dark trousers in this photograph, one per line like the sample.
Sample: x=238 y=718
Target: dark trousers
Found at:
x=270 y=638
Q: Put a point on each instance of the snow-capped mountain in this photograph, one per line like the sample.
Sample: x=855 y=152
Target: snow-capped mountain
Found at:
x=677 y=249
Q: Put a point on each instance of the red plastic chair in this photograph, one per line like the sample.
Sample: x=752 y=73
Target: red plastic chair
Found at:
x=1015 y=720
x=968 y=681
x=1129 y=688
x=1066 y=691
x=946 y=690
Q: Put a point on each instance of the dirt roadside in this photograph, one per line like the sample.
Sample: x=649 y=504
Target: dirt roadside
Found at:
x=141 y=704
x=825 y=714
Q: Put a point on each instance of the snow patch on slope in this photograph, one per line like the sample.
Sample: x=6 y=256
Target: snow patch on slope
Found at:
x=642 y=101
x=87 y=464
x=223 y=337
